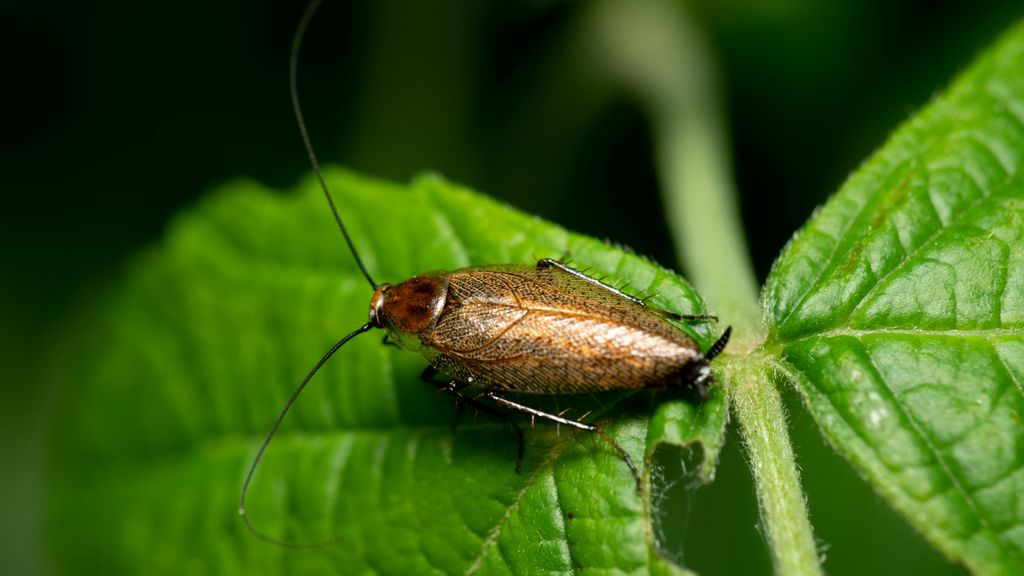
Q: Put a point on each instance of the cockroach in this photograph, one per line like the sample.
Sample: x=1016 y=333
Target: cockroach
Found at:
x=544 y=329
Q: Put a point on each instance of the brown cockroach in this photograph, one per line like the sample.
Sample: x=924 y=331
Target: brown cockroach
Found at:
x=546 y=329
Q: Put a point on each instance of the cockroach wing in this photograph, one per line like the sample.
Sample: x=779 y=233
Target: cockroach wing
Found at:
x=551 y=330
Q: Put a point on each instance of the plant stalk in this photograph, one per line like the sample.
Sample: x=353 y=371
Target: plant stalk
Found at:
x=652 y=45
x=757 y=406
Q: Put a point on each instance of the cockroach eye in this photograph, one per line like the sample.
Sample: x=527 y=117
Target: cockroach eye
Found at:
x=377 y=304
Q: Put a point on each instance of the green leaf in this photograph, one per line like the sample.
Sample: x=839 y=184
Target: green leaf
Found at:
x=899 y=312
x=195 y=353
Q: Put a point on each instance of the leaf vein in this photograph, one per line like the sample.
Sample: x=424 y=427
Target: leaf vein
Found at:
x=1006 y=368
x=838 y=243
x=881 y=281
x=561 y=522
x=955 y=481
x=495 y=532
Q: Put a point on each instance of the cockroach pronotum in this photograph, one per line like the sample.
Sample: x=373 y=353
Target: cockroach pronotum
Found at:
x=544 y=329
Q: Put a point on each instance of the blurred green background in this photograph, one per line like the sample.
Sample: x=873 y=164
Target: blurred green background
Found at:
x=119 y=114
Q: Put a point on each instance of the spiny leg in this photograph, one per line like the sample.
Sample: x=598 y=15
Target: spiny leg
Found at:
x=454 y=389
x=496 y=397
x=447 y=386
x=546 y=263
x=686 y=317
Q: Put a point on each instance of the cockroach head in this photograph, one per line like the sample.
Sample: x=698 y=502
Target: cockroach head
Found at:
x=409 y=309
x=377 y=305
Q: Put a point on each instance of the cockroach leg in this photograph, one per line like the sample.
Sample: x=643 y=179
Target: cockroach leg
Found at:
x=546 y=263
x=460 y=409
x=500 y=400
x=454 y=388
x=520 y=440
x=684 y=317
x=450 y=387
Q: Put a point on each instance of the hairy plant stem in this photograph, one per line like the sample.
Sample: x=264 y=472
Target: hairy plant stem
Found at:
x=652 y=46
x=758 y=408
x=710 y=240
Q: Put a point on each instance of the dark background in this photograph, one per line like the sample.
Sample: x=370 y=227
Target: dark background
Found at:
x=118 y=115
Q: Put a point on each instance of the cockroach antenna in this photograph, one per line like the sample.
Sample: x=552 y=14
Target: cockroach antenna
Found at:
x=270 y=436
x=293 y=66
